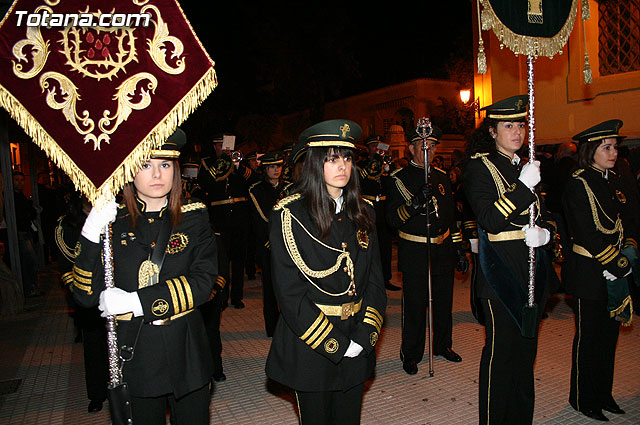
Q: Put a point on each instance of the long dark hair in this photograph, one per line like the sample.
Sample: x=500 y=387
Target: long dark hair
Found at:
x=586 y=152
x=175 y=198
x=313 y=189
x=481 y=140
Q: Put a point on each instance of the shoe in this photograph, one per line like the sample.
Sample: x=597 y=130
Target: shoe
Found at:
x=251 y=277
x=95 y=406
x=391 y=287
x=613 y=407
x=237 y=304
x=450 y=355
x=410 y=367
x=219 y=377
x=595 y=414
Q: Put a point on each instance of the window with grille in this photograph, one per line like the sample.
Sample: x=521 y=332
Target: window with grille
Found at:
x=386 y=124
x=619 y=36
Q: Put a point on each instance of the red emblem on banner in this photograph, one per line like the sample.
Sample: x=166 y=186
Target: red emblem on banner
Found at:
x=98 y=84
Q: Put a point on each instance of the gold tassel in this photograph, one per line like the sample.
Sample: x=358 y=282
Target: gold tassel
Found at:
x=586 y=70
x=586 y=14
x=482 y=58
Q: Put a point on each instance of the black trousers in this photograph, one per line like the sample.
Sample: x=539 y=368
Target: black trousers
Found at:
x=330 y=407
x=593 y=358
x=414 y=312
x=385 y=239
x=270 y=309
x=191 y=409
x=506 y=389
x=94 y=342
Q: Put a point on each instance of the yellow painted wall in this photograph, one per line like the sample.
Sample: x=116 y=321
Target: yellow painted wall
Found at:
x=564 y=105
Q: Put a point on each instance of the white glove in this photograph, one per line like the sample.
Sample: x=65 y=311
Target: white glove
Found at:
x=98 y=218
x=353 y=350
x=474 y=245
x=536 y=236
x=608 y=275
x=116 y=301
x=530 y=174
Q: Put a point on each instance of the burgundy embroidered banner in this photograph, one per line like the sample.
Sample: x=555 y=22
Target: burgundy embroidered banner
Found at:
x=98 y=84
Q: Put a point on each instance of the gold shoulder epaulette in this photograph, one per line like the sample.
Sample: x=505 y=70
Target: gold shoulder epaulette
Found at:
x=396 y=171
x=439 y=169
x=192 y=206
x=122 y=205
x=577 y=172
x=479 y=155
x=254 y=185
x=287 y=200
x=368 y=201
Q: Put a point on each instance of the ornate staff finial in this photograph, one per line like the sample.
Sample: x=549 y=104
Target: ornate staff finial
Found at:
x=424 y=128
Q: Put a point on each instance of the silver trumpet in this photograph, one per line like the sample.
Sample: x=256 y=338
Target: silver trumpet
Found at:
x=236 y=157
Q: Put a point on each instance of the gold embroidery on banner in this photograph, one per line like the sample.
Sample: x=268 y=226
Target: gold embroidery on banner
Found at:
x=157 y=46
x=177 y=243
x=331 y=346
x=159 y=307
x=148 y=269
x=102 y=59
x=534 y=13
x=39 y=51
x=373 y=338
x=363 y=239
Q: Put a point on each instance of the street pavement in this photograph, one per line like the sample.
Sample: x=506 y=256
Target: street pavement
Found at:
x=42 y=373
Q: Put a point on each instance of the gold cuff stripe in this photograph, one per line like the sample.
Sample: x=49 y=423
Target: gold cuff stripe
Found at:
x=632 y=242
x=68 y=276
x=499 y=207
x=610 y=257
x=372 y=323
x=79 y=271
x=81 y=279
x=321 y=331
x=373 y=317
x=221 y=281
x=187 y=290
x=403 y=213
x=181 y=296
x=374 y=311
x=85 y=288
x=607 y=251
x=313 y=326
x=505 y=205
x=323 y=336
x=174 y=296
x=470 y=224
x=509 y=203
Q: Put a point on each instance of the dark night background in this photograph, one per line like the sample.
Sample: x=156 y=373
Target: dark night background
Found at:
x=277 y=57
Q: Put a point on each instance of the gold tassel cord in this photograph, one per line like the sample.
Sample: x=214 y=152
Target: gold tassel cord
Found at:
x=126 y=171
x=626 y=302
x=586 y=70
x=519 y=44
x=482 y=58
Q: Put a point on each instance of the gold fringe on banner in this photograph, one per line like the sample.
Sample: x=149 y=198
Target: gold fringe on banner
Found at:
x=522 y=44
x=127 y=170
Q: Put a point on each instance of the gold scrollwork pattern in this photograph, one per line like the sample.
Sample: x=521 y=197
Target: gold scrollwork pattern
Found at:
x=39 y=52
x=158 y=45
x=125 y=92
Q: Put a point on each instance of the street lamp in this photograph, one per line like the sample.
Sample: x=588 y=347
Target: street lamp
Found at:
x=465 y=96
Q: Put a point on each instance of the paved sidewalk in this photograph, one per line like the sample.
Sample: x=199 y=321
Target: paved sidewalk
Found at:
x=42 y=374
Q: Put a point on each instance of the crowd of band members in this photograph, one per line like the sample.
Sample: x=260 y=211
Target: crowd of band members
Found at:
x=240 y=195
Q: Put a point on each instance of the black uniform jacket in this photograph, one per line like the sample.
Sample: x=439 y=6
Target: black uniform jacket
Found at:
x=264 y=197
x=67 y=233
x=374 y=186
x=307 y=352
x=500 y=202
x=407 y=183
x=596 y=209
x=226 y=190
x=174 y=357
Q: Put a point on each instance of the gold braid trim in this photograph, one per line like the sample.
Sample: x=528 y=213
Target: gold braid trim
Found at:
x=595 y=205
x=403 y=189
x=70 y=254
x=294 y=253
x=287 y=200
x=626 y=302
x=526 y=45
x=193 y=206
x=256 y=204
x=127 y=170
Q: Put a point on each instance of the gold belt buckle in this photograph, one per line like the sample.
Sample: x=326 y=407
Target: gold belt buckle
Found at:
x=347 y=310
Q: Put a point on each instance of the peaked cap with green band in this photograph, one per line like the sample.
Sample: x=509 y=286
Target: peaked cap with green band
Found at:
x=332 y=133
x=604 y=130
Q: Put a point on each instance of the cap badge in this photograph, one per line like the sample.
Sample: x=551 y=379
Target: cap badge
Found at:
x=345 y=129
